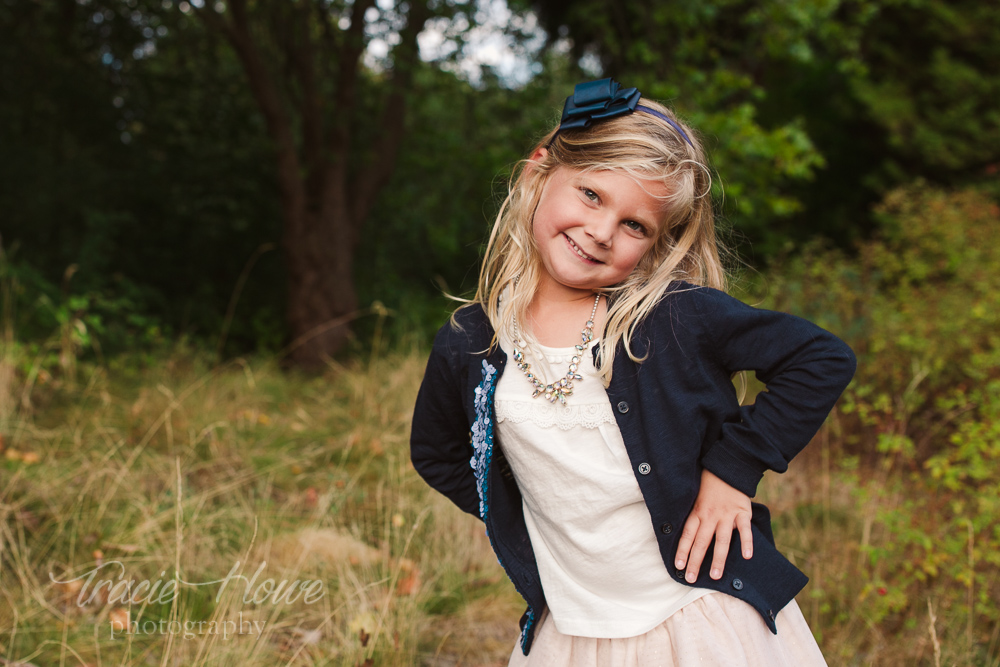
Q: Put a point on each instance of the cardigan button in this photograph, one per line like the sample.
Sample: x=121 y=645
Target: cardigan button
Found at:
x=622 y=407
x=644 y=468
x=738 y=584
x=667 y=528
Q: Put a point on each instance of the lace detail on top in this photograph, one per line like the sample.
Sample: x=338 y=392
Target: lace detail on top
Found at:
x=545 y=415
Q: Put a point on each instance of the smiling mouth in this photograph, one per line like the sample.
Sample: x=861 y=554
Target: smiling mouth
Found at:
x=580 y=252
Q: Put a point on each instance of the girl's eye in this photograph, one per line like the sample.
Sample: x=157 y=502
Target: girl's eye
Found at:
x=589 y=194
x=635 y=226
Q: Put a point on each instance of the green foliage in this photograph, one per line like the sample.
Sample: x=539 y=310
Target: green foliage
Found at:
x=940 y=542
x=926 y=81
x=144 y=170
x=708 y=60
x=813 y=110
x=47 y=331
x=920 y=305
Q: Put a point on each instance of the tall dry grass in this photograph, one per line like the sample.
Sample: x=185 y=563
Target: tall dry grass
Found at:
x=182 y=471
x=185 y=468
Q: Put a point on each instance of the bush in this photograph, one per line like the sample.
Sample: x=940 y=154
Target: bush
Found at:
x=920 y=304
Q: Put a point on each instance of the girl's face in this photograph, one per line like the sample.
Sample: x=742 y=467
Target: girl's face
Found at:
x=592 y=228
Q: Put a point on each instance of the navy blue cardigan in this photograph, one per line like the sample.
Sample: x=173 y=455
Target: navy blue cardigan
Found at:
x=678 y=413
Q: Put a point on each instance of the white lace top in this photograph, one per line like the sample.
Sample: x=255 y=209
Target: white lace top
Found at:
x=592 y=535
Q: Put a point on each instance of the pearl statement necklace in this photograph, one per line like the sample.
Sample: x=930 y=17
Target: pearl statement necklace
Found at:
x=563 y=387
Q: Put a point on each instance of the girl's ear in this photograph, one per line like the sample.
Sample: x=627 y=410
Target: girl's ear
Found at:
x=540 y=154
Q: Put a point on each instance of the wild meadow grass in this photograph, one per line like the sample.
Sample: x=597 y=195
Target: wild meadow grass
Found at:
x=183 y=471
x=265 y=517
x=181 y=467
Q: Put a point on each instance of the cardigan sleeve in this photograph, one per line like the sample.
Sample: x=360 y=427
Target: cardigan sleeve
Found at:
x=439 y=434
x=803 y=367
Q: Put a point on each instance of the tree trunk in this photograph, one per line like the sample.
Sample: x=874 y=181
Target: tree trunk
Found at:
x=324 y=202
x=321 y=295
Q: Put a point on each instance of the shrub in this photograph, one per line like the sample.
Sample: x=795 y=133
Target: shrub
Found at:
x=920 y=304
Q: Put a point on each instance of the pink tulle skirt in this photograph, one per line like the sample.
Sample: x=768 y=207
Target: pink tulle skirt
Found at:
x=716 y=629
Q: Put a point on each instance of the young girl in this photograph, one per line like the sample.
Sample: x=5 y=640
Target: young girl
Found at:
x=610 y=458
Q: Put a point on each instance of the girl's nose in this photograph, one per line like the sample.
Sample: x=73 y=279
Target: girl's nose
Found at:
x=601 y=230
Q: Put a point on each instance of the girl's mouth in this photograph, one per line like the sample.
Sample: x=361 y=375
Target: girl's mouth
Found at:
x=580 y=252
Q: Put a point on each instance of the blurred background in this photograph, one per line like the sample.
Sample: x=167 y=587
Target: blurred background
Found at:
x=187 y=169
x=196 y=189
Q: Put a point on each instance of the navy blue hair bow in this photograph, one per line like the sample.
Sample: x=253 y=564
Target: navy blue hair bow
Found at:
x=604 y=99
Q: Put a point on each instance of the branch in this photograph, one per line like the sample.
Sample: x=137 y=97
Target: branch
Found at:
x=328 y=52
x=281 y=32
x=346 y=83
x=302 y=57
x=406 y=57
x=267 y=96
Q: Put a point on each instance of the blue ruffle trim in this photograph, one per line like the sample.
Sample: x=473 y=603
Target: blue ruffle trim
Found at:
x=482 y=434
x=527 y=627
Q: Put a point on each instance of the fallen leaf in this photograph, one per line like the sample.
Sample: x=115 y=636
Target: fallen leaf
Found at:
x=410 y=582
x=408 y=585
x=119 y=619
x=71 y=588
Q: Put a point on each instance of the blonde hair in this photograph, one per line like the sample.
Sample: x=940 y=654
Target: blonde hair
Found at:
x=640 y=145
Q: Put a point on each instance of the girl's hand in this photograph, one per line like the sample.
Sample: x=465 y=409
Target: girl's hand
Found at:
x=718 y=509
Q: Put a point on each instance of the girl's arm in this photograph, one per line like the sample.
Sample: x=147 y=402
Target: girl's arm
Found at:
x=439 y=435
x=804 y=368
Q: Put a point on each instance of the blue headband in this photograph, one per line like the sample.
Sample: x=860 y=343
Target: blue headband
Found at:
x=604 y=99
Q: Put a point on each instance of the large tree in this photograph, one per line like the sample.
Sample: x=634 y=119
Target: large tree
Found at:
x=304 y=63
